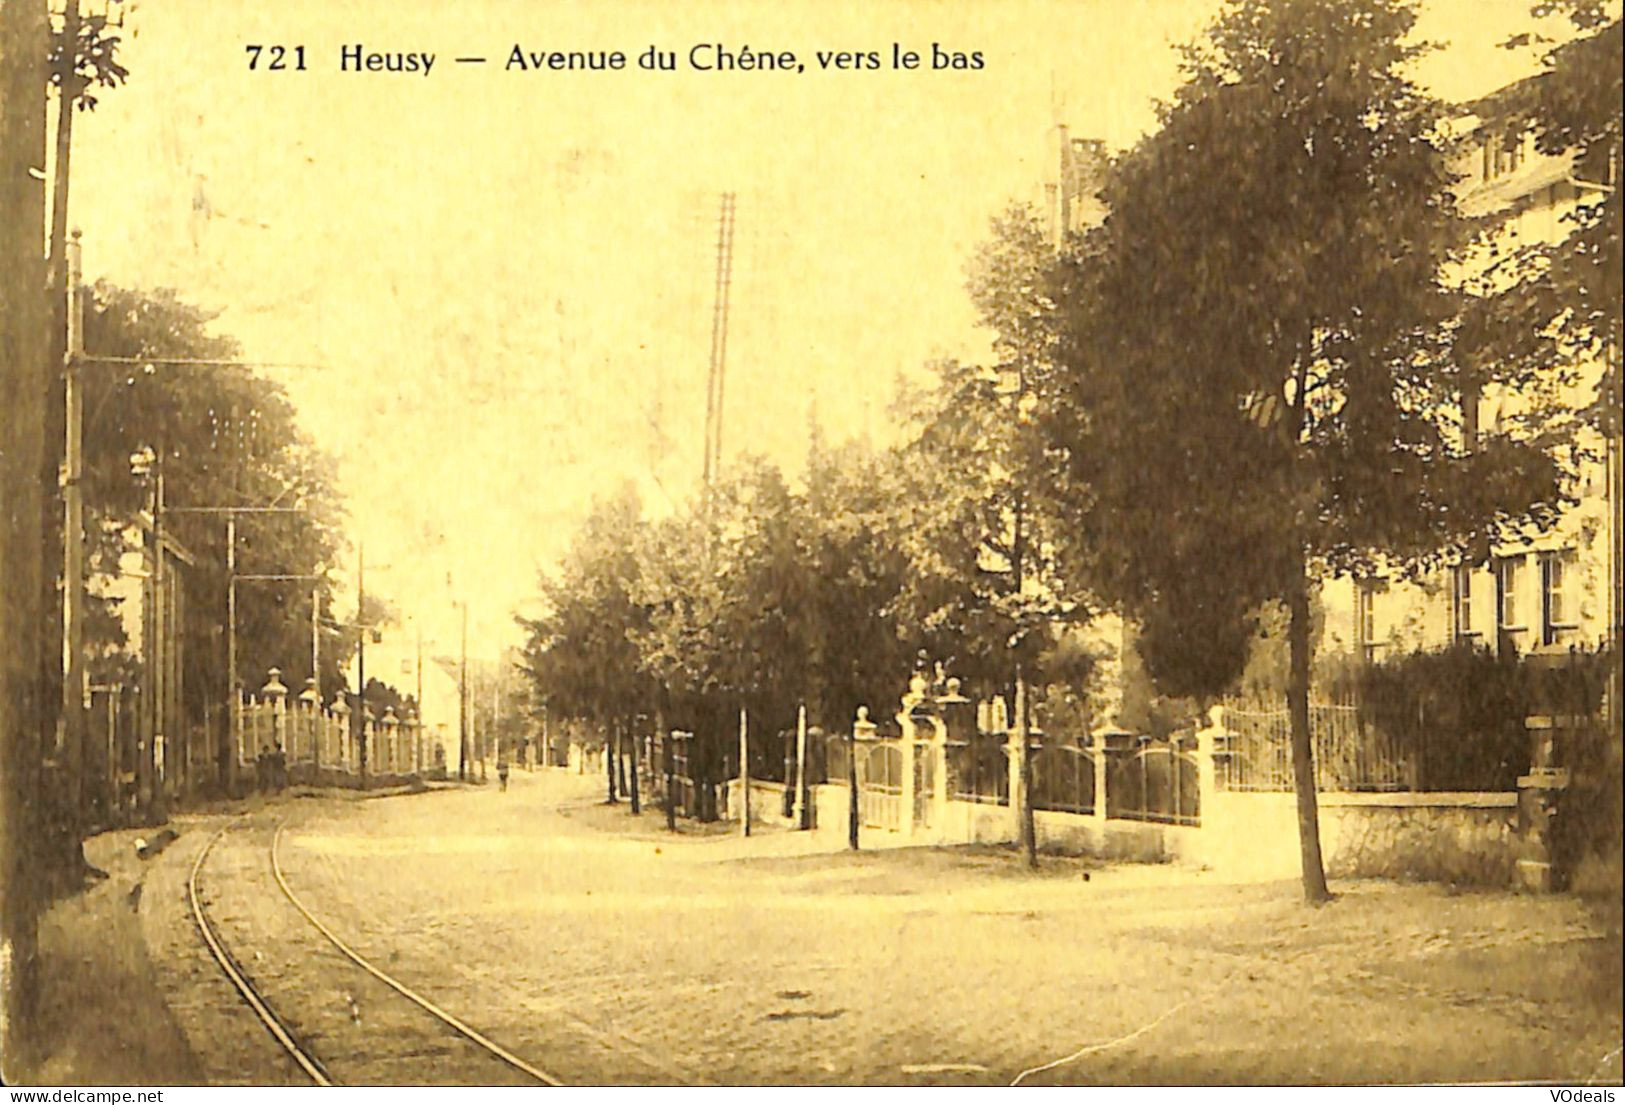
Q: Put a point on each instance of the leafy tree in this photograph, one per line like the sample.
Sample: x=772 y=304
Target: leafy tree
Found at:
x=856 y=572
x=1259 y=379
x=95 y=59
x=726 y=589
x=983 y=583
x=580 y=654
x=1563 y=306
x=224 y=437
x=756 y=596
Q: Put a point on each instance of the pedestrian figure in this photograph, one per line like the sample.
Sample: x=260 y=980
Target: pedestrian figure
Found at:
x=502 y=774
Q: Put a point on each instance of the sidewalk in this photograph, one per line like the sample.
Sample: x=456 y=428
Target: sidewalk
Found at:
x=103 y=1015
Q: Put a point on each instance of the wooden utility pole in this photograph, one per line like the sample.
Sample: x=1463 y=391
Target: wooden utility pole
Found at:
x=800 y=807
x=361 y=657
x=26 y=713
x=234 y=698
x=70 y=752
x=54 y=416
x=417 y=666
x=462 y=703
x=719 y=340
x=316 y=640
x=151 y=787
x=155 y=646
x=744 y=772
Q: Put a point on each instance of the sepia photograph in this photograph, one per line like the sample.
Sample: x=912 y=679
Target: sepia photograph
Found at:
x=912 y=544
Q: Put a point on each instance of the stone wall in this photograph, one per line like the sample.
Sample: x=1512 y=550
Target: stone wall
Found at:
x=1464 y=844
x=1452 y=837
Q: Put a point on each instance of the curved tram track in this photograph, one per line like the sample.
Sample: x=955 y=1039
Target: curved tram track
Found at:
x=413 y=1044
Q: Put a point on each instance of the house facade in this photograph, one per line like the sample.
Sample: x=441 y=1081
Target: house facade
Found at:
x=398 y=660
x=1545 y=591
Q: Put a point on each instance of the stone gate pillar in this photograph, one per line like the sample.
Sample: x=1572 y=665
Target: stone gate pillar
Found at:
x=914 y=721
x=310 y=701
x=1212 y=743
x=367 y=724
x=389 y=728
x=341 y=715
x=956 y=720
x=277 y=694
x=905 y=815
x=1538 y=794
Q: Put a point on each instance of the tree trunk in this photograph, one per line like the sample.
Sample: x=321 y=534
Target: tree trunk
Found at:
x=609 y=765
x=1029 y=828
x=1303 y=762
x=637 y=804
x=620 y=759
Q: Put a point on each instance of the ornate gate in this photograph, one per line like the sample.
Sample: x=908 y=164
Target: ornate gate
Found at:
x=880 y=784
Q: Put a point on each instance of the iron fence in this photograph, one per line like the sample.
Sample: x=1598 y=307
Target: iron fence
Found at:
x=1350 y=754
x=1063 y=779
x=1155 y=781
x=978 y=770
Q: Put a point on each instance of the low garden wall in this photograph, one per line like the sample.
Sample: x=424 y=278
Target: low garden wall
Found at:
x=1460 y=837
x=766 y=802
x=1464 y=838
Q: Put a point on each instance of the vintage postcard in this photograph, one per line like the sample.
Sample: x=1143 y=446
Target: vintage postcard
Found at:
x=911 y=544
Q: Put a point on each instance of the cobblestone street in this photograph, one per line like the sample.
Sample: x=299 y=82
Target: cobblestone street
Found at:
x=599 y=947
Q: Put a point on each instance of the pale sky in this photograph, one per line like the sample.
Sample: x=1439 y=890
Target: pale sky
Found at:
x=506 y=278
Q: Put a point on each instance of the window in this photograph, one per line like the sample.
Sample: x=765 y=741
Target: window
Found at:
x=1597 y=164
x=1506 y=593
x=1365 y=616
x=1464 y=600
x=1503 y=152
x=1557 y=599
